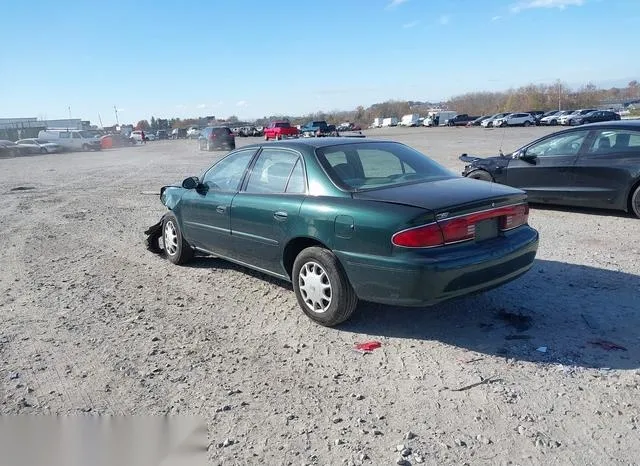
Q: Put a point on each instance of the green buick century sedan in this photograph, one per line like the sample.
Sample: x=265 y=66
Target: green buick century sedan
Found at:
x=348 y=219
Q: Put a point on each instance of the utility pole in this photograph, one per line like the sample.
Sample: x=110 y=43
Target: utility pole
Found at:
x=69 y=112
x=100 y=119
x=116 y=110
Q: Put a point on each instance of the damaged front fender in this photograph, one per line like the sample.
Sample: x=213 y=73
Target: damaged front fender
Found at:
x=171 y=195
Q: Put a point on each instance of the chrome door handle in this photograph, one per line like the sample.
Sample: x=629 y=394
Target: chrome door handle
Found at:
x=280 y=215
x=221 y=209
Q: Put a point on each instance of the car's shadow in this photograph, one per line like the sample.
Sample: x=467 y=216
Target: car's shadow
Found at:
x=571 y=310
x=208 y=262
x=580 y=210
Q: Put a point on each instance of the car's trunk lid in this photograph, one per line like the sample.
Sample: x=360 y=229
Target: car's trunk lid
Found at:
x=447 y=197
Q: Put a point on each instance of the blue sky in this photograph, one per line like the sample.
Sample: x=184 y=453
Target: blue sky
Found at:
x=255 y=58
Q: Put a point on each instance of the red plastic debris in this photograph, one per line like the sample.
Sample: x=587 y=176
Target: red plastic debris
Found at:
x=608 y=345
x=368 y=346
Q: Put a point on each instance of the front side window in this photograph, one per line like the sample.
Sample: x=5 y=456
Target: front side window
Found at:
x=566 y=144
x=363 y=166
x=227 y=174
x=76 y=136
x=271 y=172
x=65 y=135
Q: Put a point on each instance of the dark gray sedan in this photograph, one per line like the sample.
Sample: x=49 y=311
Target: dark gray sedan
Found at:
x=595 y=165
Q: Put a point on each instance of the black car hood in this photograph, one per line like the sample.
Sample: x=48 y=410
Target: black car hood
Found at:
x=445 y=194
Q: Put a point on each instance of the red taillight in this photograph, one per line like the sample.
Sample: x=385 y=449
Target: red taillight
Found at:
x=459 y=229
x=518 y=216
x=426 y=236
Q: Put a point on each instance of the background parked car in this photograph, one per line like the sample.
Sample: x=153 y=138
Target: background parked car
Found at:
x=567 y=120
x=552 y=118
x=536 y=114
x=40 y=146
x=193 y=132
x=595 y=117
x=280 y=129
x=178 y=133
x=515 y=119
x=116 y=140
x=162 y=134
x=71 y=139
x=11 y=149
x=594 y=166
x=460 y=120
x=478 y=120
x=488 y=122
x=216 y=137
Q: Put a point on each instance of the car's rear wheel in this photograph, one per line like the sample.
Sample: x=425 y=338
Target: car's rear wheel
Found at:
x=634 y=202
x=176 y=248
x=527 y=123
x=85 y=147
x=553 y=122
x=480 y=175
x=322 y=287
x=266 y=138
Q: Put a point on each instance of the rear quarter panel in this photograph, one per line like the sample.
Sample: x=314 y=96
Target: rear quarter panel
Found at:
x=357 y=227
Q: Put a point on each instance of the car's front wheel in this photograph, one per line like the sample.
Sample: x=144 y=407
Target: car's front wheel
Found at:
x=480 y=175
x=176 y=248
x=322 y=287
x=635 y=202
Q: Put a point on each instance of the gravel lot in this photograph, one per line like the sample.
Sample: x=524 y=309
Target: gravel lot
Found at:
x=93 y=322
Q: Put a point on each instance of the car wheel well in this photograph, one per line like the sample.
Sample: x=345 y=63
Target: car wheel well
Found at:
x=480 y=171
x=293 y=248
x=635 y=186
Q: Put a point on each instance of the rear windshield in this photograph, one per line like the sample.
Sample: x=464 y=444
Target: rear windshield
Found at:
x=220 y=131
x=282 y=125
x=371 y=165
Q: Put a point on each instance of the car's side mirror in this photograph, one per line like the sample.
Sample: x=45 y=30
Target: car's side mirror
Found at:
x=191 y=183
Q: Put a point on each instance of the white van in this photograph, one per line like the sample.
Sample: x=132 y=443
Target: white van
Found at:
x=71 y=139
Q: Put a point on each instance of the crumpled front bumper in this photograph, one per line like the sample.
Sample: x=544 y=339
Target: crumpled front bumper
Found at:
x=154 y=233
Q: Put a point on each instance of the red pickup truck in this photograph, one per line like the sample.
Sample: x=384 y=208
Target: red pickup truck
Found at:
x=279 y=130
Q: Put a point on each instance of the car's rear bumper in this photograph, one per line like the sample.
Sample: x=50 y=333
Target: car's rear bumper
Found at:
x=426 y=277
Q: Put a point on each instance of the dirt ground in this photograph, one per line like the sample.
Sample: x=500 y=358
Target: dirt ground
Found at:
x=92 y=322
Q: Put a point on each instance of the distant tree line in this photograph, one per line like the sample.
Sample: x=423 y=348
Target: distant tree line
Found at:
x=525 y=98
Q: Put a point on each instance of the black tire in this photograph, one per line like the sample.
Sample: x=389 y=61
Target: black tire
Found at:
x=43 y=150
x=480 y=175
x=85 y=147
x=342 y=301
x=527 y=123
x=232 y=146
x=553 y=123
x=176 y=248
x=634 y=202
x=266 y=138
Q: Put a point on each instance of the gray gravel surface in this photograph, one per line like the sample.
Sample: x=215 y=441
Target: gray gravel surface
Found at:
x=93 y=322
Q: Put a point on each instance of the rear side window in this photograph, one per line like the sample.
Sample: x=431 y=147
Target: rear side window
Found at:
x=282 y=125
x=65 y=135
x=615 y=141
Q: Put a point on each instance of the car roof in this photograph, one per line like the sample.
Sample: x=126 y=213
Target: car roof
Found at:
x=317 y=143
x=630 y=124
